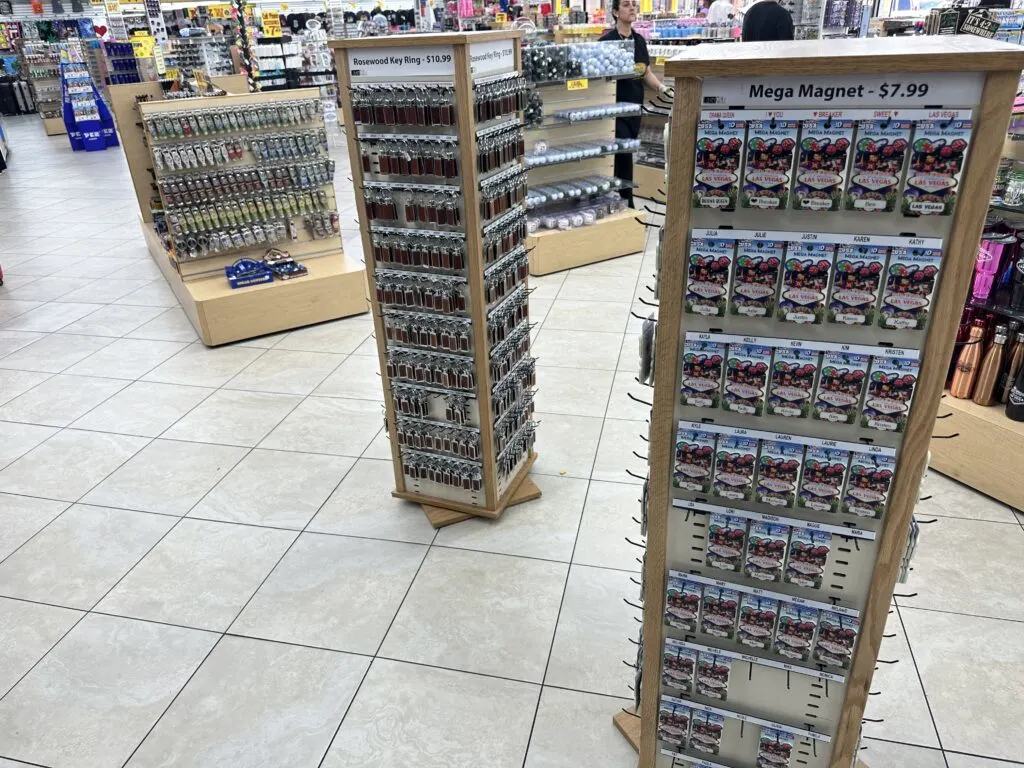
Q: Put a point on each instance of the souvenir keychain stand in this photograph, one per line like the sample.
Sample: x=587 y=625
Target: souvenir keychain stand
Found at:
x=820 y=705
x=465 y=63
x=334 y=286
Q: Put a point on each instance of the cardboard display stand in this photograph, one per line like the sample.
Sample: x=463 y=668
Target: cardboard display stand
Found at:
x=818 y=705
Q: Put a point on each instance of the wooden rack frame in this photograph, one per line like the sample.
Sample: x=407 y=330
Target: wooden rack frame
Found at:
x=1000 y=66
x=441 y=511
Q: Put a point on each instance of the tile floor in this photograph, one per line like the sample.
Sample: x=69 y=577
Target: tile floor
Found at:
x=200 y=564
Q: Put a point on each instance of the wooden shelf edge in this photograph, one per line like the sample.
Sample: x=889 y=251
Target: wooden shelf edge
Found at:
x=993 y=414
x=628 y=724
x=557 y=250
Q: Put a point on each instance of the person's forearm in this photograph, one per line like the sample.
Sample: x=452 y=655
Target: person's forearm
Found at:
x=651 y=81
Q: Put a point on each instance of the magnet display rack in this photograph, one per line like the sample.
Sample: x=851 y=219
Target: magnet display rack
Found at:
x=819 y=705
x=457 y=377
x=41 y=65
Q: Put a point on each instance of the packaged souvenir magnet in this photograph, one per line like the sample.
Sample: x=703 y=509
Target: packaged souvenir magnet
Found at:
x=856 y=284
x=771 y=145
x=674 y=722
x=795 y=634
x=936 y=161
x=719 y=159
x=778 y=473
x=878 y=165
x=756 y=277
x=682 y=603
x=766 y=551
x=701 y=384
x=840 y=387
x=746 y=378
x=808 y=553
x=792 y=382
x=837 y=634
x=719 y=610
x=823 y=476
x=757 y=621
x=678 y=666
x=909 y=284
x=706 y=732
x=822 y=162
x=735 y=462
x=775 y=748
x=707 y=280
x=727 y=536
x=695 y=459
x=868 y=485
x=805 y=278
x=890 y=390
x=713 y=675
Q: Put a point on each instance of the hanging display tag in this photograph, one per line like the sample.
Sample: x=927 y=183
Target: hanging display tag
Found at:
x=706 y=732
x=779 y=473
x=771 y=145
x=719 y=159
x=792 y=382
x=775 y=748
x=821 y=168
x=707 y=281
x=878 y=161
x=936 y=162
x=795 y=634
x=719 y=610
x=890 y=392
x=805 y=280
x=766 y=551
x=746 y=378
x=837 y=635
x=756 y=277
x=726 y=539
x=808 y=553
x=857 y=284
x=683 y=603
x=674 y=722
x=678 y=666
x=703 y=363
x=735 y=459
x=840 y=387
x=867 y=489
x=823 y=475
x=757 y=621
x=695 y=460
x=712 y=676
x=909 y=284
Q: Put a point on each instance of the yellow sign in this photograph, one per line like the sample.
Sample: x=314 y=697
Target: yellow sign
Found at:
x=142 y=45
x=95 y=2
x=158 y=59
x=172 y=73
x=659 y=61
x=202 y=84
x=646 y=6
x=220 y=11
x=577 y=85
x=501 y=18
x=113 y=6
x=558 y=7
x=271 y=23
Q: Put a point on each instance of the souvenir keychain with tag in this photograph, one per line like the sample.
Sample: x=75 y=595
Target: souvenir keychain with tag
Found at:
x=823 y=476
x=805 y=280
x=822 y=162
x=718 y=163
x=909 y=285
x=706 y=732
x=757 y=621
x=678 y=666
x=746 y=378
x=808 y=553
x=792 y=382
x=695 y=460
x=719 y=610
x=712 y=675
x=840 y=387
x=857 y=284
x=701 y=382
x=726 y=541
x=769 y=164
x=674 y=722
x=837 y=635
x=936 y=162
x=766 y=551
x=756 y=278
x=735 y=463
x=707 y=283
x=683 y=602
x=867 y=489
x=878 y=161
x=795 y=633
x=775 y=748
x=779 y=473
x=891 y=386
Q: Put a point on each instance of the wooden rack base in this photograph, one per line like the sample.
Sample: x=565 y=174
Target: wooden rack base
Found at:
x=648 y=181
x=554 y=250
x=54 y=126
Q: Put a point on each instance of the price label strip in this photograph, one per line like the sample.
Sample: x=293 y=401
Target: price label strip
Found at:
x=815 y=346
x=838 y=530
x=580 y=84
x=838 y=238
x=815 y=735
x=838 y=114
x=708 y=581
x=671 y=644
x=721 y=429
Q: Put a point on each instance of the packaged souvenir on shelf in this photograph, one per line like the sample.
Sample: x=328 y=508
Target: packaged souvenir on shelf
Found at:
x=778 y=473
x=840 y=387
x=746 y=378
x=890 y=390
x=795 y=633
x=707 y=279
x=719 y=610
x=706 y=732
x=837 y=634
x=775 y=748
x=856 y=284
x=735 y=462
x=805 y=278
x=713 y=675
x=701 y=384
x=757 y=621
x=822 y=162
x=909 y=283
x=682 y=602
x=755 y=279
x=867 y=488
x=792 y=382
x=936 y=161
x=674 y=722
x=719 y=159
x=726 y=539
x=768 y=171
x=808 y=553
x=695 y=460
x=766 y=551
x=823 y=476
x=678 y=666
x=878 y=165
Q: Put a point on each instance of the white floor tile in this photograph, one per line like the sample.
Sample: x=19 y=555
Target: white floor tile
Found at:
x=22 y=517
x=143 y=408
x=574 y=728
x=27 y=632
x=53 y=353
x=234 y=418
x=60 y=400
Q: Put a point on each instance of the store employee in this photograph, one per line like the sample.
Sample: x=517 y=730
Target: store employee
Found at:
x=624 y=12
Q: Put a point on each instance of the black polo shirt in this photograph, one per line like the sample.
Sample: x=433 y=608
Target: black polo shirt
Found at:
x=627 y=89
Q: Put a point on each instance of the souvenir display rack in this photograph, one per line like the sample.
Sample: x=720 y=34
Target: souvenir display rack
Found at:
x=334 y=285
x=41 y=66
x=820 y=569
x=436 y=147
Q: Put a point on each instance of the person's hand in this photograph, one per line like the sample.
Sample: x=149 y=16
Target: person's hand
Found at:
x=667 y=91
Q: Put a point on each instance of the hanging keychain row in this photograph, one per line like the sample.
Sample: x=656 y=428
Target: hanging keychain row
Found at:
x=428 y=105
x=217 y=120
x=401 y=156
x=289 y=146
x=206 y=154
x=501 y=194
x=221 y=186
x=517 y=447
x=459 y=441
x=413 y=401
x=419 y=249
x=503 y=277
x=439 y=334
x=508 y=354
x=514 y=388
x=447 y=371
x=437 y=293
x=213 y=243
x=494 y=150
x=322 y=225
x=510 y=422
x=502 y=320
x=499 y=97
x=436 y=206
x=503 y=236
x=452 y=472
x=259 y=210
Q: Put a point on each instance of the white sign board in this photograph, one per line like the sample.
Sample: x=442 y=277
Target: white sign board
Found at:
x=399 y=63
x=492 y=58
x=946 y=89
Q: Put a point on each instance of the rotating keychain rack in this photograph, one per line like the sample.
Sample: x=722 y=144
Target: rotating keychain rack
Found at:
x=436 y=144
x=789 y=432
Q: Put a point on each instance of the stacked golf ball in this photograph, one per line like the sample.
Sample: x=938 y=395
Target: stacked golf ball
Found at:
x=598 y=112
x=608 y=58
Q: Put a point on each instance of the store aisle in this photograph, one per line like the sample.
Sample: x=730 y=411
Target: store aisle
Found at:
x=200 y=562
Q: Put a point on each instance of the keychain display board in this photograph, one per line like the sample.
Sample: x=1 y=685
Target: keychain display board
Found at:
x=821 y=228
x=436 y=148
x=40 y=63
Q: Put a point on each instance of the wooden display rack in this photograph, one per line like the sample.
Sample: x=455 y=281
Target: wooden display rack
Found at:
x=462 y=53
x=335 y=286
x=973 y=73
